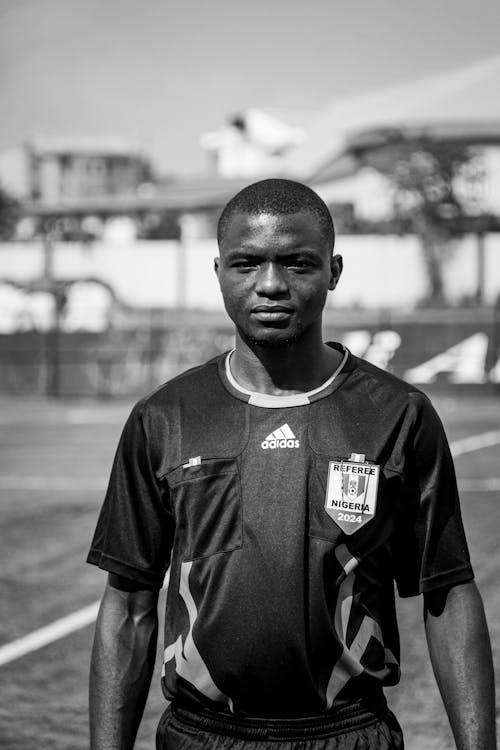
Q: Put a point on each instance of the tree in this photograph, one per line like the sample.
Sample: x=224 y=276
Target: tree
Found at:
x=9 y=214
x=436 y=185
x=163 y=225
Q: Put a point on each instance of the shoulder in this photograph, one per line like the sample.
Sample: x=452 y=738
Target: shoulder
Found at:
x=374 y=377
x=189 y=403
x=187 y=386
x=191 y=412
x=387 y=391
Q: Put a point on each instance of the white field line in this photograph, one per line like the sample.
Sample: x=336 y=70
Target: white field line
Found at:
x=61 y=484
x=48 y=634
x=86 y=616
x=73 y=417
x=77 y=484
x=475 y=442
x=489 y=484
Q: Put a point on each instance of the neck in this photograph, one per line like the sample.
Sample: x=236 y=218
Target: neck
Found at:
x=297 y=367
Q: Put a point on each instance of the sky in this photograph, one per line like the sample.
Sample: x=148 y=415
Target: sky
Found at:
x=162 y=72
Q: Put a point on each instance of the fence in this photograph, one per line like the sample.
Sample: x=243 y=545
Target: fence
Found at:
x=446 y=348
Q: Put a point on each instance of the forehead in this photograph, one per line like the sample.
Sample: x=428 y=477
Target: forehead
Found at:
x=263 y=231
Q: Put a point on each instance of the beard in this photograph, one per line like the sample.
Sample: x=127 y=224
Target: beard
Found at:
x=271 y=343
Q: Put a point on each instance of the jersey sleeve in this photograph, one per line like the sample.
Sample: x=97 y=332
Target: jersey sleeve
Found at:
x=134 y=532
x=430 y=543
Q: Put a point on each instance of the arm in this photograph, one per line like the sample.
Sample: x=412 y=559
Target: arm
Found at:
x=459 y=647
x=122 y=663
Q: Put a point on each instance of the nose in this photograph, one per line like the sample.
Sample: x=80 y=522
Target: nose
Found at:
x=271 y=280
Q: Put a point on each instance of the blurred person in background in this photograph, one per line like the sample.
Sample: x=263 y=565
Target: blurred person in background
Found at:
x=286 y=485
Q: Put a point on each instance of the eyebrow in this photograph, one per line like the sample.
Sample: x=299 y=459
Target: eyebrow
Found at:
x=252 y=254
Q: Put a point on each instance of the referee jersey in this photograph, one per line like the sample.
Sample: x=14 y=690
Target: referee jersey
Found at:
x=285 y=521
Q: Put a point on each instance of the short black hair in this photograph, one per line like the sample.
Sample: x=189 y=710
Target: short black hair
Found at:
x=278 y=196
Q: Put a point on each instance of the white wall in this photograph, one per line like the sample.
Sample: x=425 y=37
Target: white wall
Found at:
x=379 y=271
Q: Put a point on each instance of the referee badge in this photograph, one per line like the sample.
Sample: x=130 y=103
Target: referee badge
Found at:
x=351 y=492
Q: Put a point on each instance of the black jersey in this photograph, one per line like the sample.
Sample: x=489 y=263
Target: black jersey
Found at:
x=285 y=522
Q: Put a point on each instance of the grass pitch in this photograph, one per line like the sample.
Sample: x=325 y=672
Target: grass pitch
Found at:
x=54 y=462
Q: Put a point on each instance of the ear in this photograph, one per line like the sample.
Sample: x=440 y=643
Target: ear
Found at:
x=336 y=266
x=216 y=266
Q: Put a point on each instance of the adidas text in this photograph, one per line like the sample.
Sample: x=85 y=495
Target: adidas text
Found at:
x=280 y=443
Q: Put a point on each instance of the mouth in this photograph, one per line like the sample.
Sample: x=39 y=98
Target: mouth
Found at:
x=272 y=313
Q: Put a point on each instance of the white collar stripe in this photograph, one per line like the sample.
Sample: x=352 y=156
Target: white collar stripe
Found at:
x=277 y=402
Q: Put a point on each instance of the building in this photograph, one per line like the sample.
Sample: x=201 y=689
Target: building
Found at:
x=61 y=169
x=254 y=141
x=344 y=149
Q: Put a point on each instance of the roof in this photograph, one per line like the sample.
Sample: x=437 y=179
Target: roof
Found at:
x=83 y=145
x=188 y=195
x=295 y=117
x=465 y=96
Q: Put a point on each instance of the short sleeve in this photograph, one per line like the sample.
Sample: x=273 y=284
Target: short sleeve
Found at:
x=429 y=542
x=134 y=532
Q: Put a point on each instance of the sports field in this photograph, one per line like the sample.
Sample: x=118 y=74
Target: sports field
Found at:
x=54 y=461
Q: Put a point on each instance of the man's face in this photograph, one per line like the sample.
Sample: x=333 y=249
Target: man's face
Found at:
x=274 y=272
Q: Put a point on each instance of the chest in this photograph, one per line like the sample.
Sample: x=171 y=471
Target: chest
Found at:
x=284 y=477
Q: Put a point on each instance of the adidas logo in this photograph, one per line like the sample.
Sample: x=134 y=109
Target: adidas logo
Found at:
x=283 y=437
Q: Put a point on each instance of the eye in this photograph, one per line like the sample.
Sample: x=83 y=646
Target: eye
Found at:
x=300 y=264
x=246 y=264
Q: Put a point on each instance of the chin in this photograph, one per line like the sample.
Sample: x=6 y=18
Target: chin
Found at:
x=271 y=338
x=274 y=343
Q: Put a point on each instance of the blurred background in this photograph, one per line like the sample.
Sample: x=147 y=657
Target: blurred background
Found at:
x=124 y=129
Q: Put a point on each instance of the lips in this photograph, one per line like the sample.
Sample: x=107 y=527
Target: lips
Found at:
x=272 y=308
x=272 y=313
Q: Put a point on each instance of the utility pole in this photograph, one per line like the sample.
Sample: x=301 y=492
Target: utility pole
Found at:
x=480 y=269
x=52 y=358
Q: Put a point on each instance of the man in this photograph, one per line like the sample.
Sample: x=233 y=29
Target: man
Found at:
x=286 y=485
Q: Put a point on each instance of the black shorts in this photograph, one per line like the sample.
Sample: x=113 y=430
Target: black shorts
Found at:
x=352 y=728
